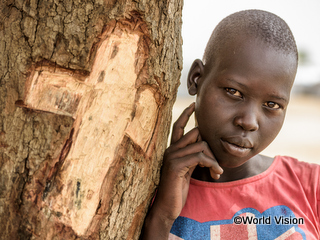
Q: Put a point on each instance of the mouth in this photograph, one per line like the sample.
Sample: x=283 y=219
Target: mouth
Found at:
x=237 y=147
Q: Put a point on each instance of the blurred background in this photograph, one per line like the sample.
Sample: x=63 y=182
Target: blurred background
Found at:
x=300 y=135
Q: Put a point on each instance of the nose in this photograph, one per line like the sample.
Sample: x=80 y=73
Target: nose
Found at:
x=247 y=119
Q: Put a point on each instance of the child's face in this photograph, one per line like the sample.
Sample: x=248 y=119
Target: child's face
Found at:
x=242 y=100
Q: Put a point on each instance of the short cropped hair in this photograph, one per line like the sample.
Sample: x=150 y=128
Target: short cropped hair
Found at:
x=260 y=24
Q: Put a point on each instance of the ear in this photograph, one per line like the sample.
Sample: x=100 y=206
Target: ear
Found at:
x=195 y=73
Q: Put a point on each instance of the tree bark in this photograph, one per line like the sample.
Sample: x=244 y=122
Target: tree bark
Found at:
x=87 y=89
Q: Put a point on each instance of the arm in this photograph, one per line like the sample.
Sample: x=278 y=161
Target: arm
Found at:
x=180 y=159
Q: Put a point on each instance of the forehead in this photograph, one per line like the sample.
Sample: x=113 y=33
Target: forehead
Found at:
x=254 y=60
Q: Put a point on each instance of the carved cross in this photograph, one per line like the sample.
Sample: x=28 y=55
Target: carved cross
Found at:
x=106 y=106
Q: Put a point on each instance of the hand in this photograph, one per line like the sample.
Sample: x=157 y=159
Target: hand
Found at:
x=180 y=159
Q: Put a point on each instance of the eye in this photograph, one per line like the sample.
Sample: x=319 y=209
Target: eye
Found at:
x=272 y=105
x=234 y=92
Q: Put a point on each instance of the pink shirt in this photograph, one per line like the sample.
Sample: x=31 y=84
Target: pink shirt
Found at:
x=280 y=203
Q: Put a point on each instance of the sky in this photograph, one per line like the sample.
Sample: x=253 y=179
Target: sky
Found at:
x=303 y=17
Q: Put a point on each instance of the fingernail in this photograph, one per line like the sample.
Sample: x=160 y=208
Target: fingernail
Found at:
x=217 y=176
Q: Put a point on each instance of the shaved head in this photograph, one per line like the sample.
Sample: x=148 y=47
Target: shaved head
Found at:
x=258 y=24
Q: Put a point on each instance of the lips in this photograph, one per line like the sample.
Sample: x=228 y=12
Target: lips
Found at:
x=237 y=146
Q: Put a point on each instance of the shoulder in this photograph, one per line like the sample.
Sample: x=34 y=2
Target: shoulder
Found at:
x=297 y=165
x=307 y=174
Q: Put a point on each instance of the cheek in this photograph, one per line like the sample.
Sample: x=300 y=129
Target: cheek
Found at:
x=204 y=108
x=269 y=130
x=201 y=114
x=213 y=104
x=210 y=114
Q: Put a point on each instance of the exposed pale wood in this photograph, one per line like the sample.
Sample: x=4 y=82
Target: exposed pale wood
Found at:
x=103 y=106
x=86 y=95
x=141 y=128
x=54 y=90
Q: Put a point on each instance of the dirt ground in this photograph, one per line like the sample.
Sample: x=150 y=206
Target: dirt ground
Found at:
x=300 y=134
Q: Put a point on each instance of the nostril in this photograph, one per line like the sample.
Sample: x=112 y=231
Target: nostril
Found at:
x=247 y=122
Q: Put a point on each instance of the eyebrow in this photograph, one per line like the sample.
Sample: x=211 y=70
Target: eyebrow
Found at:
x=246 y=88
x=236 y=82
x=278 y=97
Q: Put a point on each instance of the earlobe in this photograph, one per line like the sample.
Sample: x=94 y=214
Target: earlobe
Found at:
x=195 y=73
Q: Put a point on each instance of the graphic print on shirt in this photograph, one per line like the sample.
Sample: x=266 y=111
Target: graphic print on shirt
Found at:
x=278 y=222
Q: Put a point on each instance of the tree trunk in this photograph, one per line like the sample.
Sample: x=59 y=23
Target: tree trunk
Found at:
x=87 y=89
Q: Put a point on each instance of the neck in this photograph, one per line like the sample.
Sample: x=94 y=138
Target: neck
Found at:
x=252 y=167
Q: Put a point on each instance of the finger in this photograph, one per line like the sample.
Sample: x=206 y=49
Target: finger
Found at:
x=184 y=164
x=198 y=147
x=207 y=150
x=180 y=124
x=190 y=149
x=213 y=174
x=189 y=138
